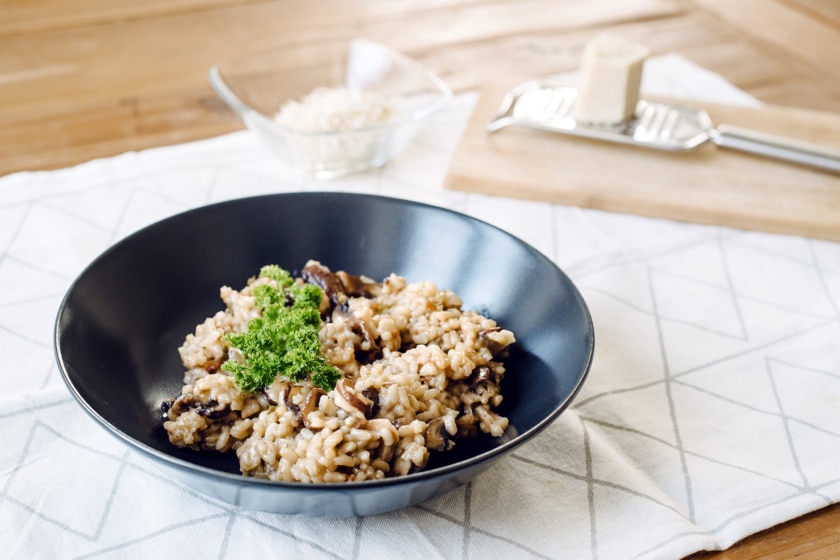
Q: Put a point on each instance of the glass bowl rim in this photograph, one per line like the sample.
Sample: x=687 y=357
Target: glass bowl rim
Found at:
x=264 y=122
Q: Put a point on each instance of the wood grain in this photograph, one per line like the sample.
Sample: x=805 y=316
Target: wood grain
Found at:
x=710 y=185
x=783 y=27
x=814 y=537
x=51 y=78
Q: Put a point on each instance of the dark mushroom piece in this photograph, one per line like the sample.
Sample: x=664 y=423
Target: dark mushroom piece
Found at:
x=490 y=339
x=274 y=392
x=283 y=391
x=180 y=405
x=358 y=286
x=372 y=394
x=374 y=351
x=318 y=274
x=437 y=438
x=347 y=398
x=388 y=436
x=309 y=405
x=211 y=409
x=482 y=375
x=466 y=421
x=213 y=366
x=289 y=392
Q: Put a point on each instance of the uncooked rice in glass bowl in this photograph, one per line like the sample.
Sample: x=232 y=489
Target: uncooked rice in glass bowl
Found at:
x=332 y=108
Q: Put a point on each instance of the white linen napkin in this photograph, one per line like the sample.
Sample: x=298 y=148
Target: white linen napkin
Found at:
x=710 y=412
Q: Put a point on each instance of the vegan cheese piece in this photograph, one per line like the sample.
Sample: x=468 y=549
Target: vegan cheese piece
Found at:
x=610 y=78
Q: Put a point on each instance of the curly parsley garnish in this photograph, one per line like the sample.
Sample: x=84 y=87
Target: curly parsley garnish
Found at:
x=284 y=340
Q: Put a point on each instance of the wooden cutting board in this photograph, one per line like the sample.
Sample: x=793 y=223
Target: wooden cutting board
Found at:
x=710 y=185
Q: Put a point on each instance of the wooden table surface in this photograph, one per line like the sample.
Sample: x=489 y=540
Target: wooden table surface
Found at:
x=93 y=78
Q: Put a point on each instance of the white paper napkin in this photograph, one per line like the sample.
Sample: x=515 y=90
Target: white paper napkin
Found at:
x=710 y=411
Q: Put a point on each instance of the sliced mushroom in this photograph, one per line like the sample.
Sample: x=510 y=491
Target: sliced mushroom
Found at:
x=373 y=351
x=166 y=406
x=482 y=374
x=372 y=394
x=496 y=340
x=289 y=393
x=388 y=437
x=182 y=404
x=350 y=400
x=211 y=409
x=318 y=274
x=466 y=421
x=274 y=392
x=359 y=286
x=437 y=438
x=309 y=405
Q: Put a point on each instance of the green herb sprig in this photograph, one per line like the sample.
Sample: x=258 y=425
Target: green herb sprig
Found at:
x=284 y=339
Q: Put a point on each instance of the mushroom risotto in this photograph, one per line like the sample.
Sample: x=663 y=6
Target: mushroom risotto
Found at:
x=331 y=377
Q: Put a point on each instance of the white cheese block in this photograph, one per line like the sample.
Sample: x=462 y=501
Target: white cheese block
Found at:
x=610 y=77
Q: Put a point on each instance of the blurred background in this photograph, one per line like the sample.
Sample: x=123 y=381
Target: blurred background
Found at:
x=93 y=78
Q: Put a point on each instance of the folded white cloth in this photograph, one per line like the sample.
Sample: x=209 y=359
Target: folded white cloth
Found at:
x=710 y=411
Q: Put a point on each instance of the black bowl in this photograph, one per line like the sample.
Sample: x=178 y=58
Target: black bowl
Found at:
x=121 y=322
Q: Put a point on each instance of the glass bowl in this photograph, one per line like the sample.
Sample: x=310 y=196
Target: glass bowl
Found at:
x=380 y=101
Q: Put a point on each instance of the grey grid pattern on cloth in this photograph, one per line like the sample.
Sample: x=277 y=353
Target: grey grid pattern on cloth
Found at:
x=710 y=411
